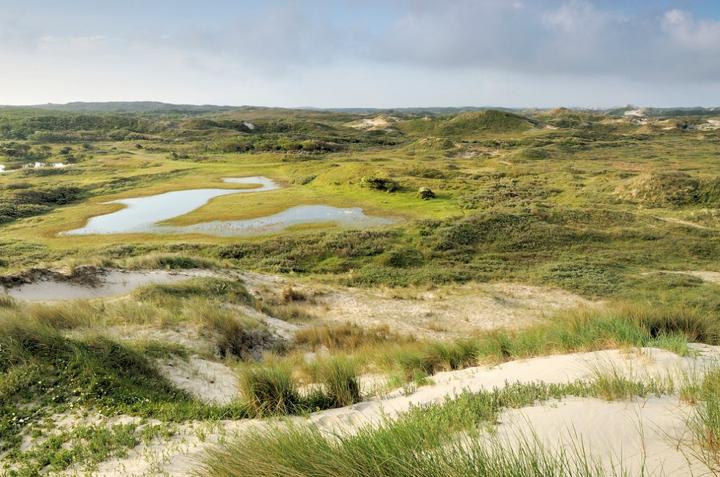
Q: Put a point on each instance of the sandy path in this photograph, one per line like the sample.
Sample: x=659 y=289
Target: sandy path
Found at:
x=711 y=277
x=178 y=455
x=686 y=223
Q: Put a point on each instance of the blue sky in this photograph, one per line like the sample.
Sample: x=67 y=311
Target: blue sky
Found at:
x=380 y=53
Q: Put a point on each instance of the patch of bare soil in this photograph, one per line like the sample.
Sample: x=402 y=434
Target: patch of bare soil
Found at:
x=445 y=311
x=378 y=123
x=441 y=312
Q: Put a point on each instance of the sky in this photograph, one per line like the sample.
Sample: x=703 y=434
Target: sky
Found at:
x=362 y=53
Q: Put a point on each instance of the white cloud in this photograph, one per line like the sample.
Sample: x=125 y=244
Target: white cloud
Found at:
x=690 y=32
x=405 y=52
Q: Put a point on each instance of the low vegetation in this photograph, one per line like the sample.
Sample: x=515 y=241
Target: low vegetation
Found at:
x=619 y=211
x=437 y=440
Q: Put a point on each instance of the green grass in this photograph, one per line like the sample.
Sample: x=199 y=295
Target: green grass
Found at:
x=82 y=448
x=434 y=440
x=704 y=424
x=581 y=330
x=514 y=201
x=339 y=378
x=43 y=372
x=573 y=331
x=270 y=390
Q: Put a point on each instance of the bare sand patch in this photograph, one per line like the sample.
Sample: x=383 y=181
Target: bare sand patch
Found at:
x=209 y=381
x=109 y=283
x=438 y=312
x=637 y=437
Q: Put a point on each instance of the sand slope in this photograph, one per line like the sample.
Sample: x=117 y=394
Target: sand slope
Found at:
x=178 y=455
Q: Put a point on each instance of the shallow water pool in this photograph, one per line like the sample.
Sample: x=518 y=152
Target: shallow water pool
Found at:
x=145 y=214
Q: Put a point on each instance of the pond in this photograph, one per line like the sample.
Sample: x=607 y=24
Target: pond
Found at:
x=144 y=214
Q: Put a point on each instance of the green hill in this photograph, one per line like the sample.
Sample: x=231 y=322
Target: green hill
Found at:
x=485 y=121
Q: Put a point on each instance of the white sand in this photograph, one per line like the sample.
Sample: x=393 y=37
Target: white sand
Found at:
x=613 y=423
x=622 y=436
x=207 y=380
x=112 y=283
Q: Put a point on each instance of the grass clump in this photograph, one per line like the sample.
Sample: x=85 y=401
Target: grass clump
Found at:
x=428 y=359
x=339 y=379
x=236 y=335
x=228 y=291
x=346 y=336
x=705 y=422
x=270 y=390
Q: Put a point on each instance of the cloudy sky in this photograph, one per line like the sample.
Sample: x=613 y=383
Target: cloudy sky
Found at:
x=379 y=53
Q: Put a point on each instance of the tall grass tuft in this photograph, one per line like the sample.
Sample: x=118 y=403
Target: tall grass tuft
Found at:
x=705 y=423
x=270 y=390
x=339 y=379
x=64 y=316
x=234 y=335
x=6 y=301
x=346 y=336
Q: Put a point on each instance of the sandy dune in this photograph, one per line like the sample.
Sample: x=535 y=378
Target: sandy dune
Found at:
x=663 y=416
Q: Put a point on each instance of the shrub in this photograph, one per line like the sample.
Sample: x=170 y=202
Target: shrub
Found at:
x=59 y=195
x=425 y=193
x=402 y=258
x=380 y=183
x=290 y=294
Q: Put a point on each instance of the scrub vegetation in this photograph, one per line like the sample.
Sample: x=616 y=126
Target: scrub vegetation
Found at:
x=621 y=213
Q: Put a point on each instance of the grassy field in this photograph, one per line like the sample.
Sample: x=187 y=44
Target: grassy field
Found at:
x=587 y=207
x=622 y=213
